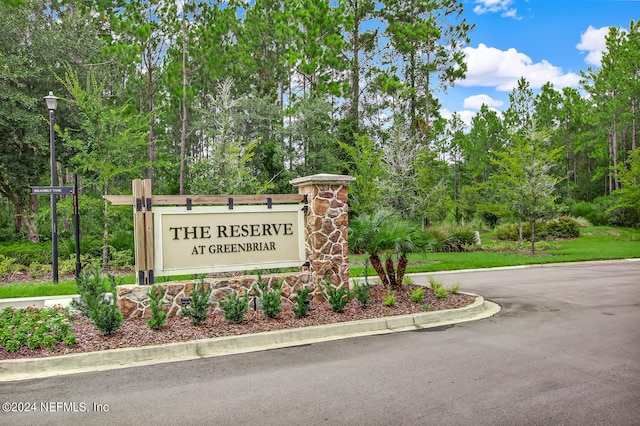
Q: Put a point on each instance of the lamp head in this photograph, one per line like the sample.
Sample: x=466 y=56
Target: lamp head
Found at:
x=52 y=101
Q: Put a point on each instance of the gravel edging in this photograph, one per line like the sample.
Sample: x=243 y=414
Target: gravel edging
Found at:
x=28 y=368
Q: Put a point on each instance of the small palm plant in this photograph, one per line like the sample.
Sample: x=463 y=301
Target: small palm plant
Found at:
x=387 y=234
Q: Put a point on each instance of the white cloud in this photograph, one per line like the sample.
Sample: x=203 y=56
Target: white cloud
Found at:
x=465 y=115
x=491 y=67
x=495 y=6
x=476 y=102
x=593 y=42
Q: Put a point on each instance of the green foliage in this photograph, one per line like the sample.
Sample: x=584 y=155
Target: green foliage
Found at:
x=427 y=307
x=362 y=292
x=235 y=307
x=107 y=317
x=26 y=253
x=121 y=259
x=438 y=288
x=389 y=300
x=386 y=233
x=35 y=328
x=455 y=289
x=98 y=301
x=8 y=266
x=269 y=298
x=198 y=309
x=38 y=270
x=365 y=164
x=417 y=295
x=564 y=227
x=301 y=307
x=337 y=297
x=452 y=239
x=158 y=316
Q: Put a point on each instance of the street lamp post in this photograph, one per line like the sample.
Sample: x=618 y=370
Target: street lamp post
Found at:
x=52 y=103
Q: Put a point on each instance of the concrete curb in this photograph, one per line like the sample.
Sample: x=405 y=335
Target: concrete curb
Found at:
x=32 y=368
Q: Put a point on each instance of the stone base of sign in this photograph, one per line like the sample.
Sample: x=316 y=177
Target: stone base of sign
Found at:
x=133 y=300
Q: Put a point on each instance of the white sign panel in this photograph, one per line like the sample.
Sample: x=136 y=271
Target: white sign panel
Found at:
x=216 y=239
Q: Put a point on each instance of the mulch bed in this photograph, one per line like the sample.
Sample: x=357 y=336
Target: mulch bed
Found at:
x=136 y=333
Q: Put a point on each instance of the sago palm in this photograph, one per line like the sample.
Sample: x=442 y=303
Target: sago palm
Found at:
x=386 y=234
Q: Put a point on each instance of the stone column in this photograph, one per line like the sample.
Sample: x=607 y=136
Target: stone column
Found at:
x=326 y=226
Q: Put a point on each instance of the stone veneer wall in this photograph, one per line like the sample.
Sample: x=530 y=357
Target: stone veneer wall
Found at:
x=133 y=300
x=326 y=224
x=326 y=246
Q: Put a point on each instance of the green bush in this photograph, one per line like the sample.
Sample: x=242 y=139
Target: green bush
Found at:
x=564 y=227
x=362 y=292
x=417 y=295
x=26 y=253
x=35 y=328
x=198 y=309
x=158 y=317
x=455 y=239
x=301 y=308
x=98 y=301
x=270 y=302
x=8 y=266
x=38 y=270
x=438 y=288
x=120 y=259
x=389 y=299
x=337 y=297
x=235 y=307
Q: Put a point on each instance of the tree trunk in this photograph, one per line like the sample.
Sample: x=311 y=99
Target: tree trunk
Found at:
x=402 y=267
x=533 y=237
x=183 y=119
x=377 y=266
x=391 y=273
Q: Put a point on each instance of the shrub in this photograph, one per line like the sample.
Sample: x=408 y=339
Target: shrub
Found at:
x=120 y=259
x=362 y=292
x=27 y=253
x=8 y=266
x=38 y=270
x=417 y=295
x=102 y=311
x=198 y=309
x=301 y=308
x=457 y=239
x=337 y=297
x=235 y=307
x=107 y=317
x=427 y=307
x=270 y=302
x=35 y=328
x=389 y=299
x=67 y=266
x=438 y=288
x=158 y=316
x=455 y=289
x=564 y=227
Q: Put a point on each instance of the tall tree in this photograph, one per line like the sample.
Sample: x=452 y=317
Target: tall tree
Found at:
x=525 y=182
x=36 y=37
x=428 y=36
x=109 y=145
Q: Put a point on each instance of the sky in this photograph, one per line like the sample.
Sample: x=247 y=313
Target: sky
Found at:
x=540 y=40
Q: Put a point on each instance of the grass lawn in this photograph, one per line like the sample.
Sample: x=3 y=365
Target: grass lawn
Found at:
x=595 y=243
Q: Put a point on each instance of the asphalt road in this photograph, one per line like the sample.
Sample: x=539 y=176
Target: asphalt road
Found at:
x=565 y=349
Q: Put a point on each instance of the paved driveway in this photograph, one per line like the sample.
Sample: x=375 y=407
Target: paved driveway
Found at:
x=565 y=349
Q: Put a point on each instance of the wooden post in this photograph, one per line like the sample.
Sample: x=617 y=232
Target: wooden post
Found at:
x=139 y=230
x=148 y=231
